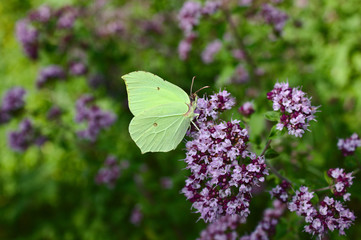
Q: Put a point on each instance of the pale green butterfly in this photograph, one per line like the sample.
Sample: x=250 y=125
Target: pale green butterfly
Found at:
x=162 y=111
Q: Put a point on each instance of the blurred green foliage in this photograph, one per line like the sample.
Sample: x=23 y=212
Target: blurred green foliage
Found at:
x=50 y=193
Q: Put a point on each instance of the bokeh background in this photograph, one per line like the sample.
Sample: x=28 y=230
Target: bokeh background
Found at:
x=51 y=191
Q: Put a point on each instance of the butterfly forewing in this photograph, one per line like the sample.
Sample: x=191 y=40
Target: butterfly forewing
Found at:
x=146 y=91
x=160 y=129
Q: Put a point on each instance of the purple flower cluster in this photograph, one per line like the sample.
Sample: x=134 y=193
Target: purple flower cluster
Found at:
x=110 y=172
x=54 y=113
x=223 y=172
x=348 y=146
x=224 y=228
x=28 y=36
x=274 y=17
x=280 y=192
x=208 y=109
x=330 y=215
x=342 y=181
x=77 y=68
x=42 y=14
x=294 y=106
x=189 y=17
x=97 y=119
x=267 y=227
x=25 y=137
x=49 y=73
x=246 y=109
x=12 y=102
x=66 y=17
x=211 y=50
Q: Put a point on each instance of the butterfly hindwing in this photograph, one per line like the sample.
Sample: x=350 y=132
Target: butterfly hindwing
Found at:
x=160 y=129
x=146 y=91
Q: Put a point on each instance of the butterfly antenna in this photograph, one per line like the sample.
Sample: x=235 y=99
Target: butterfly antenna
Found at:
x=190 y=94
x=200 y=89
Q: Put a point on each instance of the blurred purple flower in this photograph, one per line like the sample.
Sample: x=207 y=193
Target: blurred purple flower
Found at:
x=210 y=7
x=189 y=16
x=96 y=118
x=166 y=182
x=267 y=227
x=224 y=228
x=238 y=54
x=13 y=99
x=4 y=117
x=95 y=80
x=274 y=17
x=27 y=35
x=295 y=108
x=185 y=46
x=77 y=69
x=212 y=49
x=109 y=173
x=136 y=216
x=66 y=17
x=54 y=113
x=348 y=146
x=245 y=3
x=26 y=136
x=240 y=75
x=246 y=109
x=42 y=14
x=48 y=73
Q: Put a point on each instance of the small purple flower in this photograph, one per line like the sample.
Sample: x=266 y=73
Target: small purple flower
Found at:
x=4 y=117
x=280 y=192
x=246 y=109
x=185 y=46
x=267 y=227
x=189 y=16
x=13 y=100
x=348 y=146
x=96 y=118
x=274 y=17
x=27 y=35
x=26 y=136
x=210 y=7
x=224 y=228
x=66 y=17
x=96 y=80
x=54 y=113
x=109 y=173
x=342 y=181
x=77 y=69
x=329 y=215
x=211 y=50
x=136 y=216
x=238 y=54
x=42 y=14
x=48 y=73
x=240 y=75
x=294 y=106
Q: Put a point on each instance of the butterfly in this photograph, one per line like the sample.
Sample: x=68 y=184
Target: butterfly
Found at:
x=162 y=111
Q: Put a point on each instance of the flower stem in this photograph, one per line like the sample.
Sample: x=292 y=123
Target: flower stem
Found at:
x=269 y=165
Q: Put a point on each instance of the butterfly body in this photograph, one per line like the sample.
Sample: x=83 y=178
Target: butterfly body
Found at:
x=162 y=112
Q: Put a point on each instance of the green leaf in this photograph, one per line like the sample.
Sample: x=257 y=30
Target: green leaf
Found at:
x=275 y=133
x=272 y=116
x=327 y=178
x=270 y=153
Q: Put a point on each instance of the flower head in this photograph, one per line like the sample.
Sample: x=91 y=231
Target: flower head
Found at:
x=49 y=73
x=348 y=146
x=96 y=118
x=109 y=173
x=211 y=50
x=274 y=17
x=295 y=107
x=27 y=35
